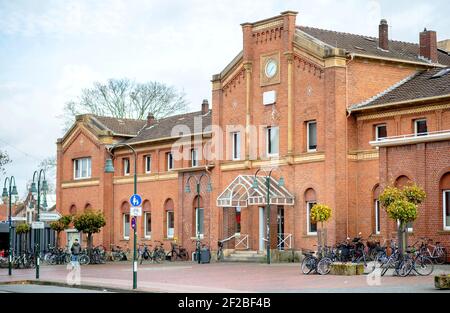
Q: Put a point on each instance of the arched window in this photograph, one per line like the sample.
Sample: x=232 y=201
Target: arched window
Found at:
x=199 y=216
x=169 y=218
x=126 y=222
x=73 y=210
x=311 y=200
x=377 y=208
x=88 y=206
x=147 y=219
x=445 y=191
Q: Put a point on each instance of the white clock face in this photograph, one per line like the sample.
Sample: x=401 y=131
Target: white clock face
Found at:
x=271 y=68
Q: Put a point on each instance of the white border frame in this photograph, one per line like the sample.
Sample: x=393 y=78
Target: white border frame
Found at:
x=145 y=226
x=307 y=136
x=167 y=224
x=308 y=218
x=148 y=156
x=123 y=225
x=377 y=138
x=415 y=127
x=89 y=169
x=377 y=217
x=238 y=136
x=125 y=160
x=444 y=208
x=271 y=155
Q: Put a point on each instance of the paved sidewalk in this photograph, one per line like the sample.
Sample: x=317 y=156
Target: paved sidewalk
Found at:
x=188 y=277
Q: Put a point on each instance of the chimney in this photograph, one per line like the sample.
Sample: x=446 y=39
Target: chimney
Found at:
x=205 y=107
x=383 y=35
x=150 y=119
x=428 y=45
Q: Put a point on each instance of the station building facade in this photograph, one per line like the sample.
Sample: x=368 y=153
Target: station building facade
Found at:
x=335 y=116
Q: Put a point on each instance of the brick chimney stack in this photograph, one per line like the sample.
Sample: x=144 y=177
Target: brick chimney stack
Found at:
x=428 y=45
x=383 y=35
x=205 y=107
x=150 y=119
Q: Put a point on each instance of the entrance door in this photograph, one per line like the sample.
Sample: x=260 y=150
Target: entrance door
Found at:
x=280 y=224
x=262 y=230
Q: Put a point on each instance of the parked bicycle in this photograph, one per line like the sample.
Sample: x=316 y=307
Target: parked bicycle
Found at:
x=177 y=252
x=154 y=255
x=437 y=253
x=24 y=260
x=220 y=251
x=98 y=255
x=118 y=254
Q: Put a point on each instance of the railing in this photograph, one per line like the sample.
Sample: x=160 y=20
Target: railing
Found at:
x=284 y=241
x=243 y=242
x=412 y=138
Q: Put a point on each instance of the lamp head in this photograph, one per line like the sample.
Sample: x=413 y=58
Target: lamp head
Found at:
x=187 y=189
x=5 y=193
x=44 y=203
x=209 y=187
x=255 y=183
x=33 y=189
x=44 y=186
x=109 y=167
x=281 y=182
x=14 y=191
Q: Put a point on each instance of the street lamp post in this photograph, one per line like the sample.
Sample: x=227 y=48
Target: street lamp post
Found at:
x=188 y=190
x=109 y=168
x=8 y=193
x=255 y=186
x=37 y=192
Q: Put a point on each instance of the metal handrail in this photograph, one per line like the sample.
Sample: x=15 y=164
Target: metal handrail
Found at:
x=284 y=239
x=245 y=238
x=231 y=237
x=414 y=135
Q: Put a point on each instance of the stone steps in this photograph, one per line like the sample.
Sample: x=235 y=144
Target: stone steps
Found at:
x=245 y=256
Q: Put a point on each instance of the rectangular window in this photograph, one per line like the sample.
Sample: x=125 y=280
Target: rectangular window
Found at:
x=377 y=217
x=126 y=167
x=420 y=127
x=148 y=225
x=236 y=146
x=380 y=132
x=446 y=207
x=170 y=224
x=82 y=168
x=311 y=130
x=148 y=164
x=272 y=141
x=199 y=221
x=169 y=161
x=310 y=225
x=194 y=158
x=126 y=226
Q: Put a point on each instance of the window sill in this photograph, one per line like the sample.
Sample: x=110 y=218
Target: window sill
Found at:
x=310 y=235
x=82 y=178
x=125 y=239
x=311 y=151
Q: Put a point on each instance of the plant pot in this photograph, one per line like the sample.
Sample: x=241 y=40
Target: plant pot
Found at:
x=442 y=281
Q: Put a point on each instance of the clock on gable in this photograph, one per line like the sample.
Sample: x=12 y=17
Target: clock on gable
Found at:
x=270 y=69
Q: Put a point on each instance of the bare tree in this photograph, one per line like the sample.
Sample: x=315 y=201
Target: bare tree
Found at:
x=124 y=98
x=4 y=159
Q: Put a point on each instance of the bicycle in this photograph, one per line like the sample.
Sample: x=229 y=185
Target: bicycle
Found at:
x=117 y=254
x=177 y=252
x=422 y=265
x=438 y=255
x=220 y=255
x=320 y=263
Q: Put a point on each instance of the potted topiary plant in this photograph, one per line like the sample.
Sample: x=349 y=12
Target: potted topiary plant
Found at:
x=442 y=281
x=321 y=213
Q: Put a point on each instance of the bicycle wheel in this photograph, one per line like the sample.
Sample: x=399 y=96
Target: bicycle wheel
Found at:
x=441 y=256
x=308 y=264
x=84 y=259
x=324 y=266
x=405 y=267
x=423 y=266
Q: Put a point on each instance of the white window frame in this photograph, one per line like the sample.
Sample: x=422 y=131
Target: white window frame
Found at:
x=148 y=169
x=170 y=163
x=147 y=236
x=415 y=127
x=129 y=225
x=196 y=222
x=377 y=217
x=377 y=138
x=170 y=234
x=307 y=136
x=126 y=161
x=271 y=128
x=194 y=158
x=236 y=146
x=444 y=208
x=308 y=218
x=88 y=169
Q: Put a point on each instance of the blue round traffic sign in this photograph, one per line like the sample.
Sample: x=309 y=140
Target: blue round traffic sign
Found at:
x=135 y=200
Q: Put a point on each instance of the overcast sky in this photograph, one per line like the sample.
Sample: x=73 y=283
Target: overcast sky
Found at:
x=50 y=50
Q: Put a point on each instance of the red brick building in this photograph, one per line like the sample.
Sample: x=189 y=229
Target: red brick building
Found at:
x=313 y=104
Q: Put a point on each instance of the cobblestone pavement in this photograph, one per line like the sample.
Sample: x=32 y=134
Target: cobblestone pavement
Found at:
x=225 y=277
